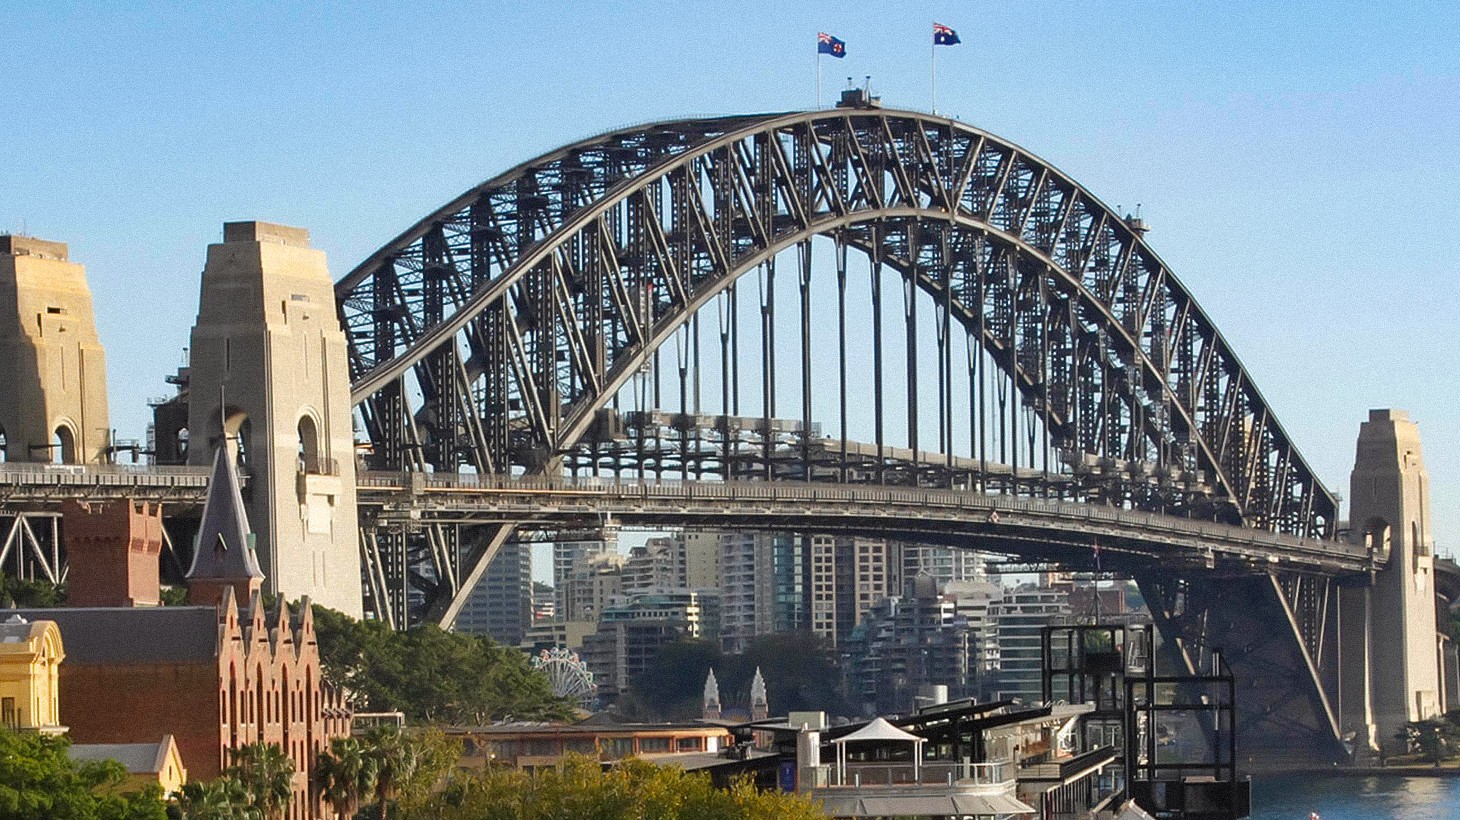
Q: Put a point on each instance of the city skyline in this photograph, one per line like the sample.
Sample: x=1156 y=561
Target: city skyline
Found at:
x=1295 y=181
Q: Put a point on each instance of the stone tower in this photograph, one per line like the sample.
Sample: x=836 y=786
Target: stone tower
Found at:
x=52 y=366
x=269 y=375
x=1389 y=500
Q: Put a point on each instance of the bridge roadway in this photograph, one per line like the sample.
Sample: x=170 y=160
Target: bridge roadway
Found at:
x=1035 y=528
x=1032 y=527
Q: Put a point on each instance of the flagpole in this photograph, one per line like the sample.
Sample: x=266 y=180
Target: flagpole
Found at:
x=818 y=76
x=935 y=69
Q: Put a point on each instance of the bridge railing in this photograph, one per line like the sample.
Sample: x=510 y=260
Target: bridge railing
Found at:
x=29 y=473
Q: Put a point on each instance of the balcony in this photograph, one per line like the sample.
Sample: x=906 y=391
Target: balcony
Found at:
x=933 y=773
x=938 y=789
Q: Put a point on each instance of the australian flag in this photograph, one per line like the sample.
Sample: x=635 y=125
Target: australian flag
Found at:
x=827 y=44
x=944 y=36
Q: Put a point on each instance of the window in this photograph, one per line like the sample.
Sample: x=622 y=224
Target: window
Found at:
x=8 y=715
x=653 y=745
x=614 y=748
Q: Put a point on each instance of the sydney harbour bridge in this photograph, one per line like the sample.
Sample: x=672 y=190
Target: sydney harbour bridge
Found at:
x=853 y=320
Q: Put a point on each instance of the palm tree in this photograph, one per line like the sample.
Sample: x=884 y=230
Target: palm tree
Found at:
x=345 y=775
x=221 y=799
x=395 y=761
x=267 y=775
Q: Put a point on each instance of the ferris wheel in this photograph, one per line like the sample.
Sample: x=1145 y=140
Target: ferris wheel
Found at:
x=568 y=675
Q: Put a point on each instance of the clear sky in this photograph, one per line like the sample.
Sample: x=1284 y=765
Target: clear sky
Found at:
x=1297 y=161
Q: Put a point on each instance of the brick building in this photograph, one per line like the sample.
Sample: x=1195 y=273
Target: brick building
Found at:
x=217 y=675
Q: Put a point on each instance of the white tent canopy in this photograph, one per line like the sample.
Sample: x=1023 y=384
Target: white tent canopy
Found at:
x=880 y=729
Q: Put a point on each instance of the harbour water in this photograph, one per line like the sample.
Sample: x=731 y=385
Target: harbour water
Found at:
x=1294 y=797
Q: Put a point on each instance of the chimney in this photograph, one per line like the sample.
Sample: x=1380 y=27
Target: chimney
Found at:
x=113 y=550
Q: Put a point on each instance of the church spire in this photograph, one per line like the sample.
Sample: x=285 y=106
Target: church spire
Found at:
x=759 y=707
x=223 y=555
x=712 y=697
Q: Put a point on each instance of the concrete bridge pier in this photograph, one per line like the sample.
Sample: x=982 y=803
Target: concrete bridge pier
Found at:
x=269 y=376
x=1395 y=623
x=53 y=404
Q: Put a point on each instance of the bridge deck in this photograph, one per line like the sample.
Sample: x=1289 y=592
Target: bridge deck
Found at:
x=937 y=516
x=1059 y=530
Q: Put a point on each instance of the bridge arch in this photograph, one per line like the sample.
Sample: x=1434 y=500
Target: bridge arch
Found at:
x=686 y=207
x=489 y=335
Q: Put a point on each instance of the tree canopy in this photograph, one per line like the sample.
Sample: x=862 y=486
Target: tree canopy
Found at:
x=40 y=781
x=432 y=675
x=633 y=790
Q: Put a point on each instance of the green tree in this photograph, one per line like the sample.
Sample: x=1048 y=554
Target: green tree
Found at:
x=267 y=776
x=221 y=799
x=432 y=675
x=39 y=781
x=395 y=758
x=345 y=775
x=1434 y=740
x=434 y=756
x=630 y=791
x=38 y=594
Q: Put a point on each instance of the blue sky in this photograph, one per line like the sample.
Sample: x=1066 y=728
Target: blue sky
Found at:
x=1297 y=162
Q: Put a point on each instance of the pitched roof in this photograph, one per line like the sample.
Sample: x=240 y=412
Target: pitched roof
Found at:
x=165 y=634
x=138 y=758
x=224 y=548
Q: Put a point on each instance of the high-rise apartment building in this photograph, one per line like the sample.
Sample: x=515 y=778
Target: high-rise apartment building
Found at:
x=701 y=552
x=740 y=617
x=500 y=607
x=1021 y=617
x=943 y=564
x=586 y=591
x=572 y=547
x=657 y=565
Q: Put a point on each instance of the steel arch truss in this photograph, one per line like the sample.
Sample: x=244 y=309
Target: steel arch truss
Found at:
x=489 y=335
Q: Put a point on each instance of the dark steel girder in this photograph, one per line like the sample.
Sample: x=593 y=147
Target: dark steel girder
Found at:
x=564 y=275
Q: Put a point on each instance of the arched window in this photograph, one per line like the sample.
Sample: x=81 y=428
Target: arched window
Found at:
x=4 y=443
x=63 y=446
x=309 y=455
x=181 y=445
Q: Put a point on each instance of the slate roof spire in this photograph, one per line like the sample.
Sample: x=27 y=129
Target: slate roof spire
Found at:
x=223 y=555
x=759 y=707
x=712 y=697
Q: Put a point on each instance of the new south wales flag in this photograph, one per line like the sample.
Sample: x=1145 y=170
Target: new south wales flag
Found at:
x=827 y=44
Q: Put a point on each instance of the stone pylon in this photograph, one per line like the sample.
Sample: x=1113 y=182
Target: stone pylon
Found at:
x=52 y=366
x=269 y=375
x=1390 y=625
